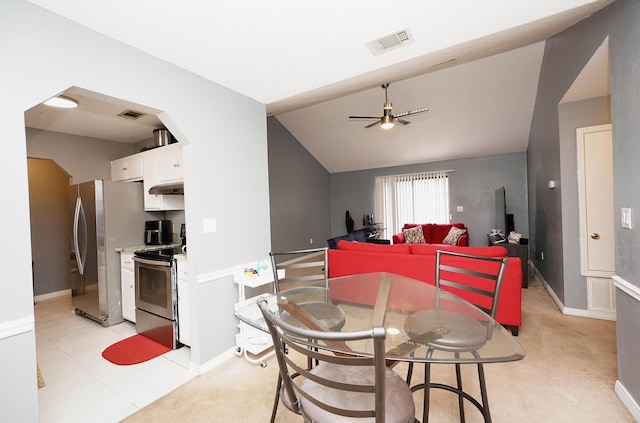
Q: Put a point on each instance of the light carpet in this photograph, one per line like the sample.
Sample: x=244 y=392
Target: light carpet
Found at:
x=568 y=376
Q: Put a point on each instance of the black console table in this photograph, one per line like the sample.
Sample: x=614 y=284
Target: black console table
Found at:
x=515 y=250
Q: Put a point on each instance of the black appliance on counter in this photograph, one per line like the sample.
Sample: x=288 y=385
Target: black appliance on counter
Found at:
x=157 y=295
x=158 y=232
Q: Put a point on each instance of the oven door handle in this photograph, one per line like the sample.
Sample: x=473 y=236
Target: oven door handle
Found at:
x=152 y=262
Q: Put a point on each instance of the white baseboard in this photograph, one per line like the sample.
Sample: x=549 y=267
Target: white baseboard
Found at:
x=592 y=314
x=52 y=295
x=627 y=400
x=201 y=369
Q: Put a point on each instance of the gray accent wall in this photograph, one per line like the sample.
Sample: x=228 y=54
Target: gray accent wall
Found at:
x=565 y=56
x=472 y=185
x=299 y=193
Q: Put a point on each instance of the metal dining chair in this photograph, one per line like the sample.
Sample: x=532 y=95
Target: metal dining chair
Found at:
x=479 y=280
x=308 y=267
x=343 y=387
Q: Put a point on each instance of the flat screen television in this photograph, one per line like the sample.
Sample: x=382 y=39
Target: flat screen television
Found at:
x=501 y=210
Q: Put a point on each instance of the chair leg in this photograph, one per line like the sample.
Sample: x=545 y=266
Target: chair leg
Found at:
x=483 y=393
x=409 y=373
x=427 y=391
x=277 y=399
x=460 y=397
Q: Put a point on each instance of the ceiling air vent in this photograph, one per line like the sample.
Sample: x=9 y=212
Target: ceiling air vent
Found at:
x=131 y=114
x=390 y=42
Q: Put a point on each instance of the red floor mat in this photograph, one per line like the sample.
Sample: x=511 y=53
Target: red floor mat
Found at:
x=134 y=350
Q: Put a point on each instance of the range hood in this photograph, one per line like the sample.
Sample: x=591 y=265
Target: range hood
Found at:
x=174 y=188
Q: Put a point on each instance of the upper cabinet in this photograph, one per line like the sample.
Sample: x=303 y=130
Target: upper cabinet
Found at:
x=128 y=168
x=157 y=166
x=169 y=163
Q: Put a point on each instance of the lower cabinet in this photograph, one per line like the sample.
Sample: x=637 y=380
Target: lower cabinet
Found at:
x=184 y=319
x=127 y=282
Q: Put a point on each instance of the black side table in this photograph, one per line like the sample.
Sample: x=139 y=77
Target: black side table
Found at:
x=515 y=250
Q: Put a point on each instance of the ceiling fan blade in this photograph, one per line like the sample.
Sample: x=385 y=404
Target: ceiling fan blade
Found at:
x=402 y=121
x=373 y=124
x=365 y=117
x=411 y=112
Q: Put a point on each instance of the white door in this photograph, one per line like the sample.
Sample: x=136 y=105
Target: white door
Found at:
x=595 y=180
x=595 y=184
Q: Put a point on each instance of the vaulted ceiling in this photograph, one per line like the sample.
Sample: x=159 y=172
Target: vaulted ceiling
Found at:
x=474 y=64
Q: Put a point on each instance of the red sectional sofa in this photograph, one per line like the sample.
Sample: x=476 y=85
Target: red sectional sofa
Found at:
x=434 y=233
x=418 y=261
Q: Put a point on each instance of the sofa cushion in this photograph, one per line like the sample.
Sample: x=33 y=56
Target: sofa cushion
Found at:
x=414 y=235
x=430 y=249
x=439 y=231
x=453 y=236
x=374 y=248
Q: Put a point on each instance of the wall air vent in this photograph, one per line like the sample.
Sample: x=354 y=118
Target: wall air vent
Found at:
x=131 y=114
x=390 y=42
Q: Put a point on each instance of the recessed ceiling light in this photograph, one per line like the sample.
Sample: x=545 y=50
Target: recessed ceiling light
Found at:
x=62 y=101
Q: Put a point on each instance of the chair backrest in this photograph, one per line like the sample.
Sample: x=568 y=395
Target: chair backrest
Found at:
x=301 y=267
x=327 y=388
x=479 y=275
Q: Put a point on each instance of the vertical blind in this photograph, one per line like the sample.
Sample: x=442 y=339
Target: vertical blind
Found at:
x=412 y=198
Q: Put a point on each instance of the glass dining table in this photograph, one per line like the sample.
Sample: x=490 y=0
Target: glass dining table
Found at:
x=424 y=324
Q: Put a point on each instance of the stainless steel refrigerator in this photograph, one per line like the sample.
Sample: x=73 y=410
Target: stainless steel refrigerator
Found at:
x=104 y=215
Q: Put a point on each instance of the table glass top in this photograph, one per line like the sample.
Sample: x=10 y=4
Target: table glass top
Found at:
x=422 y=322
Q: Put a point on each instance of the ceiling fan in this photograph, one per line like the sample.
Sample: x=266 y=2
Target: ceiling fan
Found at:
x=388 y=119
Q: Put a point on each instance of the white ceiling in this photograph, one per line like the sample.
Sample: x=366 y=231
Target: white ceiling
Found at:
x=307 y=61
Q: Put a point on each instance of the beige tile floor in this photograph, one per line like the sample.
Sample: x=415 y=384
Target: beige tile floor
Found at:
x=80 y=385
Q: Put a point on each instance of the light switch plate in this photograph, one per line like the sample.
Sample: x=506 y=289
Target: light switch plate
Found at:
x=460 y=209
x=625 y=217
x=209 y=225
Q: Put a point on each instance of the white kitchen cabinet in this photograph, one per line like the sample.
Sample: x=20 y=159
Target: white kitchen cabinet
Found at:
x=127 y=282
x=169 y=163
x=184 y=319
x=128 y=169
x=162 y=165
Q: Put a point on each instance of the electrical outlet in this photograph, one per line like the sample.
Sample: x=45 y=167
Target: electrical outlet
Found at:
x=542 y=255
x=310 y=240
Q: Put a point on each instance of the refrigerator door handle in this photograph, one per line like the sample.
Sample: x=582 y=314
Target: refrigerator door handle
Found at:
x=79 y=217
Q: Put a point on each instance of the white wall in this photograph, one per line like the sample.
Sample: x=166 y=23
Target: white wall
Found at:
x=227 y=178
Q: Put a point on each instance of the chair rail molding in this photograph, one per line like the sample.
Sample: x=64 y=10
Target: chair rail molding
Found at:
x=627 y=287
x=17 y=327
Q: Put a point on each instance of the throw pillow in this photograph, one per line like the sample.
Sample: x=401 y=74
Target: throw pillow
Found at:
x=453 y=236
x=414 y=235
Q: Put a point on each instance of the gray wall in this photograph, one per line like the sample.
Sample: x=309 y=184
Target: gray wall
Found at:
x=222 y=168
x=565 y=56
x=299 y=193
x=579 y=114
x=471 y=186
x=84 y=158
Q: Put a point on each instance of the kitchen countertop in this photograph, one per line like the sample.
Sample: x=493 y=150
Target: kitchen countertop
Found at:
x=134 y=248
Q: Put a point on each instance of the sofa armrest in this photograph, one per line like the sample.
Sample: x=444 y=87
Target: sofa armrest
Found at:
x=463 y=241
x=398 y=238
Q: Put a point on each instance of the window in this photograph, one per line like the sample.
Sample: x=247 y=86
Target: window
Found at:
x=412 y=198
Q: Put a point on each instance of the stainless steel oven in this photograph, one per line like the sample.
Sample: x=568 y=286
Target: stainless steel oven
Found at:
x=157 y=296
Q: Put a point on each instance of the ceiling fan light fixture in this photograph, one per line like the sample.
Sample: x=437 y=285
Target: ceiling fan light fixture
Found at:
x=386 y=122
x=62 y=101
